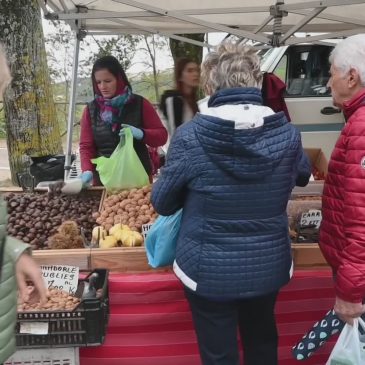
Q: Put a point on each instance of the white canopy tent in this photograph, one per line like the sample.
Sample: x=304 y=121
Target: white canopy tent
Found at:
x=281 y=18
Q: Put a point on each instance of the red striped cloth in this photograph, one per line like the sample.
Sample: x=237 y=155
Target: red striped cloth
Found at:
x=150 y=321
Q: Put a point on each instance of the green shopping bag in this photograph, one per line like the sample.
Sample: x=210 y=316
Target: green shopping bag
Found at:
x=123 y=169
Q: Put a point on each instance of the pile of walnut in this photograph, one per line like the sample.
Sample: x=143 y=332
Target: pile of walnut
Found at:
x=130 y=207
x=57 y=300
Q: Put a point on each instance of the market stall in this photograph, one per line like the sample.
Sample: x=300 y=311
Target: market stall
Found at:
x=150 y=321
x=270 y=23
x=99 y=230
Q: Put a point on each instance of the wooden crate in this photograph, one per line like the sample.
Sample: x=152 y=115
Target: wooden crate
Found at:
x=80 y=257
x=133 y=259
x=307 y=256
x=122 y=259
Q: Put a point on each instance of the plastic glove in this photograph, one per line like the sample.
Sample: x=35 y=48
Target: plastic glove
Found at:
x=136 y=132
x=86 y=178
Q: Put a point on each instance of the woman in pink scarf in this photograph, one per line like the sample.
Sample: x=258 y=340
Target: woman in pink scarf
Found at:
x=114 y=108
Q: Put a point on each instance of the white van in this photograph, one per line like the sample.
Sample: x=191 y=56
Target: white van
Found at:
x=305 y=70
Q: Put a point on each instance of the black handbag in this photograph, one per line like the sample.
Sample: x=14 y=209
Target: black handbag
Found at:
x=48 y=168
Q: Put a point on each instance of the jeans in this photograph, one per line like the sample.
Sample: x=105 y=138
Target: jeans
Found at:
x=216 y=324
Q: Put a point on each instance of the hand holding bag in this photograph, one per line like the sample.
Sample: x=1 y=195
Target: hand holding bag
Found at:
x=161 y=240
x=123 y=169
x=350 y=346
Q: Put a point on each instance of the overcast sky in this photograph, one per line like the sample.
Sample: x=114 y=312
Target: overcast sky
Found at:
x=164 y=60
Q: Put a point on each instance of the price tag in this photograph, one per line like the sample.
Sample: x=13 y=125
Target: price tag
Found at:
x=61 y=277
x=311 y=218
x=34 y=328
x=145 y=229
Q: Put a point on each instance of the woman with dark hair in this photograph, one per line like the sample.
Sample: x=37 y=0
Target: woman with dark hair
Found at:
x=180 y=105
x=114 y=108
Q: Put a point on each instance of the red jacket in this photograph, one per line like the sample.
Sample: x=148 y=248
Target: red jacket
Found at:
x=342 y=235
x=155 y=134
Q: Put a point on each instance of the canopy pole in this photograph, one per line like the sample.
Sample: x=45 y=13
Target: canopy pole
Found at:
x=278 y=15
x=72 y=102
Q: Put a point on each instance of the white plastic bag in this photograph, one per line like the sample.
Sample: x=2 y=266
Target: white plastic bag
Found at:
x=350 y=346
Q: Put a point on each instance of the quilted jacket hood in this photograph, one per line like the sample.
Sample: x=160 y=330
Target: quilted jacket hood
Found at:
x=237 y=133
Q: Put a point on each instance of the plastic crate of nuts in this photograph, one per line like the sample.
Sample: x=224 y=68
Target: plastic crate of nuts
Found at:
x=59 y=356
x=84 y=325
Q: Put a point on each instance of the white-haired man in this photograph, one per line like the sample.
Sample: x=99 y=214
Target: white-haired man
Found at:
x=342 y=236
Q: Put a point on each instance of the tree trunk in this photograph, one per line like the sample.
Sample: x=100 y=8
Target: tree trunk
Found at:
x=31 y=124
x=183 y=49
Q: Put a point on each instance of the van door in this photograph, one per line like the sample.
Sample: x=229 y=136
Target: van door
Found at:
x=305 y=70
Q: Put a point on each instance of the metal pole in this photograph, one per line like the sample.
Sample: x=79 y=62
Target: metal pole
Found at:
x=72 y=105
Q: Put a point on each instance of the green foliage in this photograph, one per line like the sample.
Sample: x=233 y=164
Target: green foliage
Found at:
x=143 y=84
x=182 y=49
x=122 y=47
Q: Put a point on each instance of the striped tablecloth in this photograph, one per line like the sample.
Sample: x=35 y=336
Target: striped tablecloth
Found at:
x=150 y=321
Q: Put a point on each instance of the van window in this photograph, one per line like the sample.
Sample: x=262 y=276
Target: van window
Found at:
x=307 y=70
x=280 y=69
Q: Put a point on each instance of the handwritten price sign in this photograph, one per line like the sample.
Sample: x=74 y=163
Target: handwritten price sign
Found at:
x=311 y=218
x=61 y=277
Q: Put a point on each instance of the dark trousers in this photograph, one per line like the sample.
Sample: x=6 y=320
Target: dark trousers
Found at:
x=216 y=324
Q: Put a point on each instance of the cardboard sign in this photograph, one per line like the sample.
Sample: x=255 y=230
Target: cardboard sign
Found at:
x=145 y=229
x=311 y=218
x=61 y=277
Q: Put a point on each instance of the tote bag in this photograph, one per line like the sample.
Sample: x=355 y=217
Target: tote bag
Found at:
x=161 y=240
x=350 y=346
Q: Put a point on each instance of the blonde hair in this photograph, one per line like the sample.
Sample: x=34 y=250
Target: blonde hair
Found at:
x=231 y=65
x=5 y=77
x=206 y=76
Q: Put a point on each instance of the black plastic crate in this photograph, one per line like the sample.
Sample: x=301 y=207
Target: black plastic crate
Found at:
x=84 y=326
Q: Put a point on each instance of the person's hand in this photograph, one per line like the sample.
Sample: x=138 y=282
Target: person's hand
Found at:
x=27 y=269
x=347 y=311
x=86 y=178
x=136 y=132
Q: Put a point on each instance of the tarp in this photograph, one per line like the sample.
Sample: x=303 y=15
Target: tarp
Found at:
x=150 y=320
x=242 y=18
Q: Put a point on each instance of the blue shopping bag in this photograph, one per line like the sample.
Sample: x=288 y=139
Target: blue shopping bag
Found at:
x=162 y=238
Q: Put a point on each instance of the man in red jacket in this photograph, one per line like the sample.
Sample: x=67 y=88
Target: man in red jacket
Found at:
x=342 y=236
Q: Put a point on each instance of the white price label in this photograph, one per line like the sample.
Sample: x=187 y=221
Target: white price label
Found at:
x=311 y=218
x=34 y=328
x=145 y=229
x=61 y=277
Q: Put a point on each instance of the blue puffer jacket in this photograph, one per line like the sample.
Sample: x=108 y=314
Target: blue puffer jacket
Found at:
x=232 y=169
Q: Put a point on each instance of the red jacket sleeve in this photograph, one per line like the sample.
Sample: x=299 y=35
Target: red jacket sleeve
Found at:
x=155 y=134
x=350 y=276
x=87 y=144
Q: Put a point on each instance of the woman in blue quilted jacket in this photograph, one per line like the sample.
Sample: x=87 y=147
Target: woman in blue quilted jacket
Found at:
x=232 y=170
